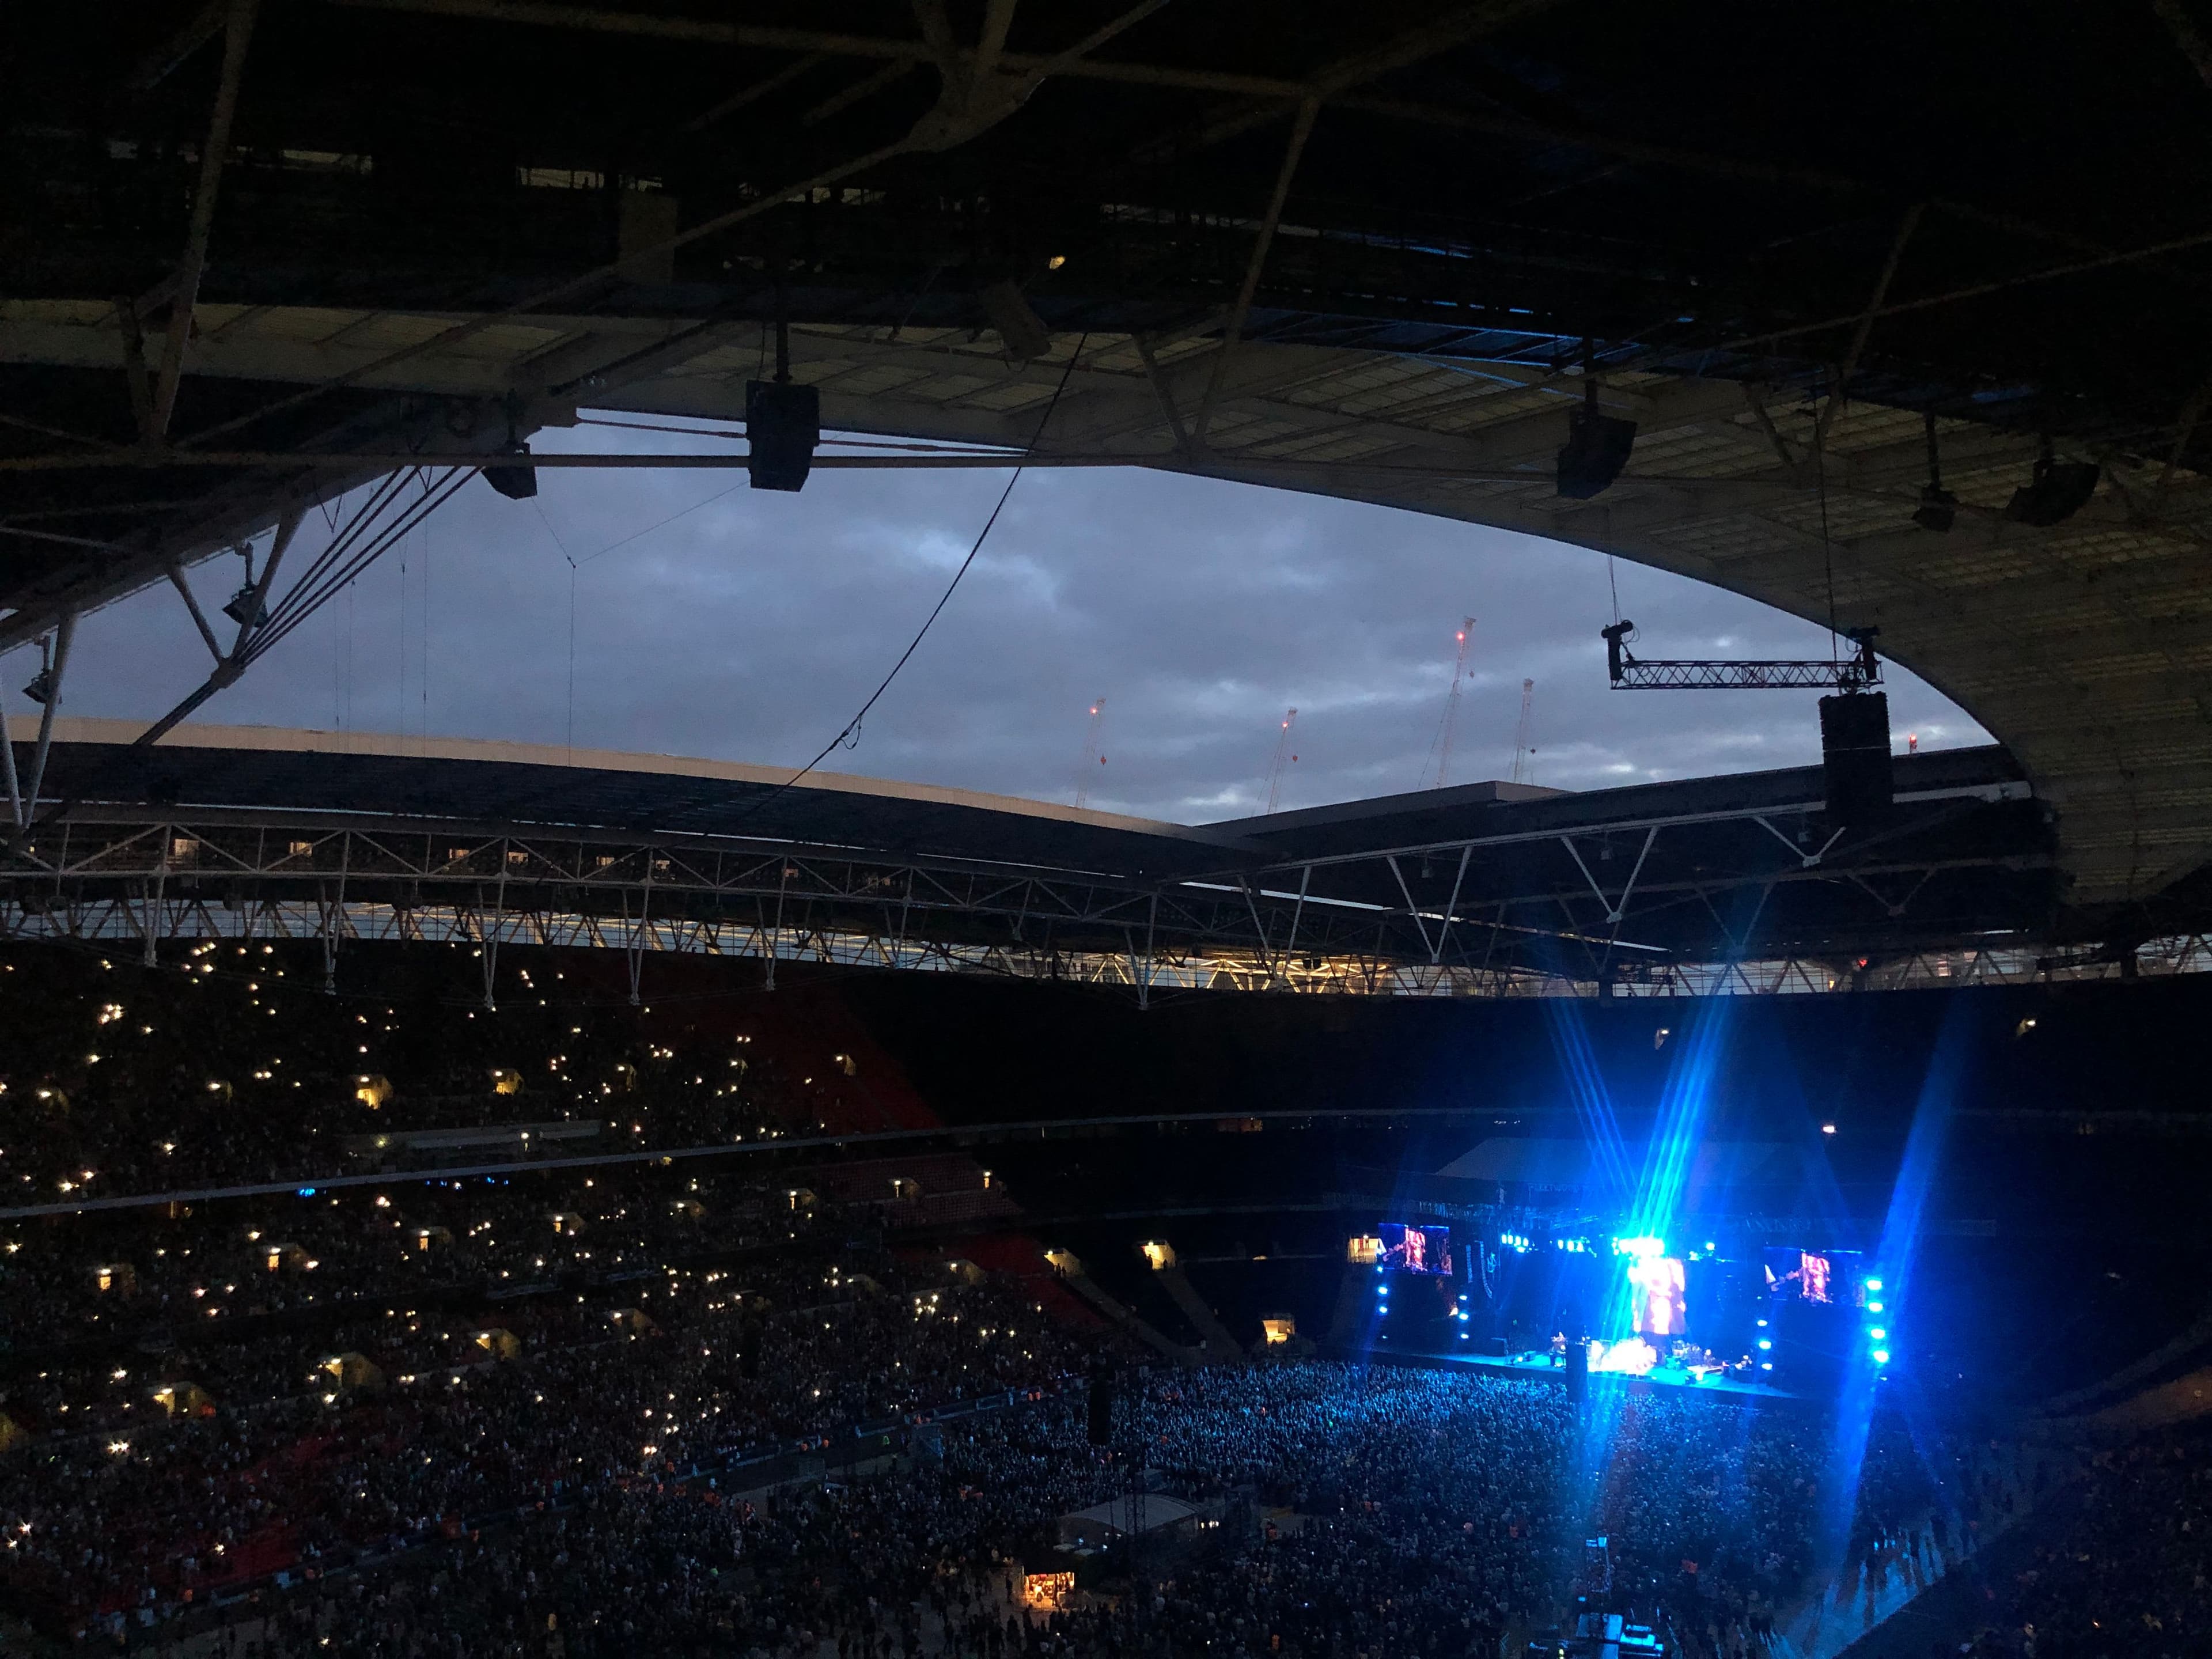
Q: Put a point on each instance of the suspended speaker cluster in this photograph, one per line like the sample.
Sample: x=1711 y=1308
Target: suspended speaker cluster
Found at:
x=783 y=423
x=1855 y=757
x=1597 y=448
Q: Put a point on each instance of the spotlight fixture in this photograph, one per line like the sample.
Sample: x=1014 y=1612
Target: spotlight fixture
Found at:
x=1938 y=507
x=241 y=606
x=41 y=687
x=1597 y=447
x=2058 y=490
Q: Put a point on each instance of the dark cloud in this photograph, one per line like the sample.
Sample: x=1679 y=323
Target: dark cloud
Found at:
x=752 y=628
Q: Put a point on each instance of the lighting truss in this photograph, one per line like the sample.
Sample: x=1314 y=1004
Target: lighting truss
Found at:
x=1630 y=673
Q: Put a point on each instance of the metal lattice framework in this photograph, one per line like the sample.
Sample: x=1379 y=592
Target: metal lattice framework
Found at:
x=1718 y=885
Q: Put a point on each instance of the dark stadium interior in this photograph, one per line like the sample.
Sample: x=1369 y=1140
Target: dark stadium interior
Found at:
x=461 y=1200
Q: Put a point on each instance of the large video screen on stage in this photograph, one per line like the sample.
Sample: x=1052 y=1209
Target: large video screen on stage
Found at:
x=1416 y=1249
x=1826 y=1278
x=1659 y=1304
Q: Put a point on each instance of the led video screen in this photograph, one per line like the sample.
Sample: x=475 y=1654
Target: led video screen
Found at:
x=1416 y=1249
x=1659 y=1305
x=1826 y=1278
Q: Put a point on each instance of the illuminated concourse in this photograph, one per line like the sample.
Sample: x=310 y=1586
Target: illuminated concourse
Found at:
x=490 y=1190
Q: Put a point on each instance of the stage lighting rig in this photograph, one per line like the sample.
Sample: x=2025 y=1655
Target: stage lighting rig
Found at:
x=1850 y=674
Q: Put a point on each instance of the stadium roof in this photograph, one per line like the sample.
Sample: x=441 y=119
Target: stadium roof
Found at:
x=1378 y=253
x=1480 y=885
x=480 y=781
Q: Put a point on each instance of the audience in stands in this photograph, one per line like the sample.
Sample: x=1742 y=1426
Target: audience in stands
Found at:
x=675 y=1408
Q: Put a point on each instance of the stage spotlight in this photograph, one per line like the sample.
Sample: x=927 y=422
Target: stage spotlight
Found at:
x=2057 y=491
x=1878 y=1333
x=42 y=687
x=1881 y=1356
x=1874 y=1284
x=1597 y=448
x=241 y=606
x=1765 y=1343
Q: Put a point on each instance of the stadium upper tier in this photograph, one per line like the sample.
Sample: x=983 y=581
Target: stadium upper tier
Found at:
x=1488 y=888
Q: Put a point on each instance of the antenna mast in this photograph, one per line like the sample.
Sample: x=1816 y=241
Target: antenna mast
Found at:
x=1092 y=756
x=1451 y=703
x=1282 y=753
x=1523 y=749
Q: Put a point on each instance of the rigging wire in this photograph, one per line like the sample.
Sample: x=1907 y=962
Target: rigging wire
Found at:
x=656 y=525
x=571 y=562
x=1827 y=547
x=850 y=735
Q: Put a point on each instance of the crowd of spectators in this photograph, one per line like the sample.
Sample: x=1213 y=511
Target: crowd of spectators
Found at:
x=124 y=1270
x=389 y=1430
x=2119 y=1563
x=1372 y=1511
x=230 y=1067
x=678 y=1406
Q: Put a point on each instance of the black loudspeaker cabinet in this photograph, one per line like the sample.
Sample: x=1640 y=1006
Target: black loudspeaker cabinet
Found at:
x=1100 y=1425
x=1578 y=1369
x=1597 y=447
x=783 y=422
x=1855 y=756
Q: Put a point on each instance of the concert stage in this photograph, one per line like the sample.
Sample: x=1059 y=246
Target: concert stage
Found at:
x=1539 y=1368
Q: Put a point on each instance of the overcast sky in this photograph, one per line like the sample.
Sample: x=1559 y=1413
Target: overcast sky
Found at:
x=752 y=628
